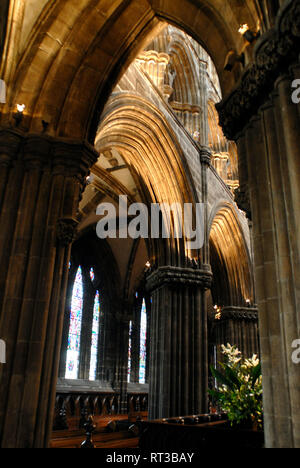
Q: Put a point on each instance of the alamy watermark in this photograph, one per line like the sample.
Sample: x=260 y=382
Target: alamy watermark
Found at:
x=296 y=353
x=296 y=92
x=2 y=352
x=161 y=221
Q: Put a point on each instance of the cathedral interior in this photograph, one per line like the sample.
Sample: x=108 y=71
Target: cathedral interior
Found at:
x=156 y=102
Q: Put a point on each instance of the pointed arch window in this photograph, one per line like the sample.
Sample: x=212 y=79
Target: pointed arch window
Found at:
x=73 y=351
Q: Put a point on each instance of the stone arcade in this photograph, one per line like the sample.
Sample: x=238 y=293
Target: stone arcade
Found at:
x=110 y=98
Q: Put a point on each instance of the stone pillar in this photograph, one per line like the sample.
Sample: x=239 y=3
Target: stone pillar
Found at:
x=261 y=113
x=205 y=160
x=39 y=205
x=274 y=194
x=203 y=94
x=108 y=339
x=179 y=348
x=122 y=366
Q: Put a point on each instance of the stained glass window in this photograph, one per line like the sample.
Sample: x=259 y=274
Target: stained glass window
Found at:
x=129 y=352
x=143 y=344
x=73 y=351
x=95 y=337
x=92 y=274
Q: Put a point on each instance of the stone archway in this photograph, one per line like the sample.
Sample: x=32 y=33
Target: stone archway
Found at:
x=234 y=319
x=72 y=62
x=227 y=241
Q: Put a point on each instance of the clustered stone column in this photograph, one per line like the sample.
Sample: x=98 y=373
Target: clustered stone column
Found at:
x=205 y=161
x=121 y=381
x=41 y=183
x=179 y=342
x=269 y=153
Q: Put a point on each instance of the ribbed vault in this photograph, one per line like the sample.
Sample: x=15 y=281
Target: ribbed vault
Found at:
x=138 y=130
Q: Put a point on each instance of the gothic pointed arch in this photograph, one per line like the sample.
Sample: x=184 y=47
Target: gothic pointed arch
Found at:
x=62 y=73
x=230 y=259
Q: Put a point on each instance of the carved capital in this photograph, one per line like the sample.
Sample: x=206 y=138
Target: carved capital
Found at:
x=275 y=51
x=243 y=201
x=74 y=159
x=66 y=231
x=61 y=156
x=37 y=153
x=9 y=147
x=239 y=314
x=205 y=155
x=174 y=276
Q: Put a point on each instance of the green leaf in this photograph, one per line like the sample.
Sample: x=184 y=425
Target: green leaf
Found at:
x=222 y=379
x=256 y=373
x=215 y=394
x=231 y=375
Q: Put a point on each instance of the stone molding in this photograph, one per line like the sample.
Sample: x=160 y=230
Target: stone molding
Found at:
x=10 y=143
x=275 y=51
x=70 y=158
x=239 y=314
x=175 y=276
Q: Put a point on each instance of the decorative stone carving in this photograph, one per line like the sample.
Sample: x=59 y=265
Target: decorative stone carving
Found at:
x=66 y=231
x=239 y=313
x=174 y=276
x=37 y=152
x=9 y=147
x=243 y=201
x=276 y=50
x=205 y=156
x=74 y=159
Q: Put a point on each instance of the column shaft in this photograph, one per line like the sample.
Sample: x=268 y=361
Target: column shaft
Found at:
x=179 y=342
x=40 y=201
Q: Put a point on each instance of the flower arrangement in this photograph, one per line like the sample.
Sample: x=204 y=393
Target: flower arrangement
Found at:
x=239 y=393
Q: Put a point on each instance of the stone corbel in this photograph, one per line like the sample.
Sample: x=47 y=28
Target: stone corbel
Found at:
x=205 y=155
x=66 y=231
x=243 y=201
